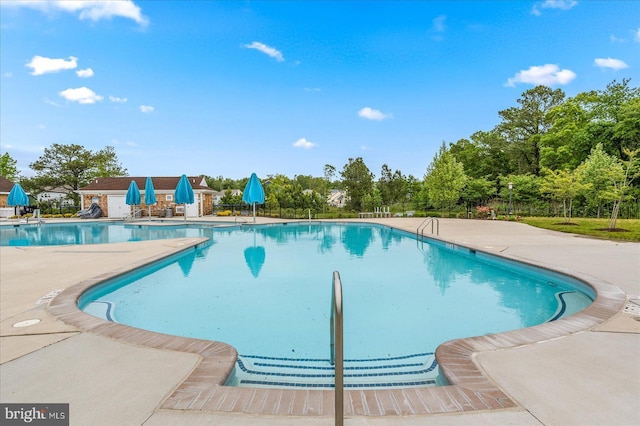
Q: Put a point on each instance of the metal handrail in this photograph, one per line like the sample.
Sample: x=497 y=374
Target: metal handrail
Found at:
x=425 y=223
x=337 y=347
x=133 y=215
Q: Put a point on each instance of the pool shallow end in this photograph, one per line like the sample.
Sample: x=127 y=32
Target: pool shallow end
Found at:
x=203 y=390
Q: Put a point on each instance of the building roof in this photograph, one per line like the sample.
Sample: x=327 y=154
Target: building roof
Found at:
x=5 y=185
x=198 y=183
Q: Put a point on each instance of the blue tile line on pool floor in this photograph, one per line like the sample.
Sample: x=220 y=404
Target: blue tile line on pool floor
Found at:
x=346 y=360
x=433 y=366
x=307 y=367
x=563 y=305
x=346 y=385
x=108 y=310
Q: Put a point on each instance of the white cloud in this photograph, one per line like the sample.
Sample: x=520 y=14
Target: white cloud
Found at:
x=82 y=95
x=373 y=114
x=93 y=10
x=86 y=73
x=50 y=102
x=548 y=75
x=615 y=39
x=267 y=50
x=304 y=143
x=117 y=99
x=438 y=23
x=41 y=65
x=8 y=74
x=146 y=109
x=553 y=4
x=637 y=35
x=312 y=89
x=615 y=64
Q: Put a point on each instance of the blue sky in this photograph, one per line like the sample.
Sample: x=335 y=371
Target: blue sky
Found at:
x=234 y=87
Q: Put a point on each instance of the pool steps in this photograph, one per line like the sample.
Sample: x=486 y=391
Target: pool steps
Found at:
x=295 y=373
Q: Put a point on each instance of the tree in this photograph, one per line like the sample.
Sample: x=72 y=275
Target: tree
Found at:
x=568 y=141
x=598 y=172
x=478 y=190
x=72 y=166
x=561 y=185
x=412 y=188
x=627 y=128
x=230 y=198
x=611 y=108
x=8 y=167
x=445 y=179
x=526 y=188
x=391 y=185
x=106 y=164
x=623 y=183
x=329 y=172
x=358 y=181
x=523 y=127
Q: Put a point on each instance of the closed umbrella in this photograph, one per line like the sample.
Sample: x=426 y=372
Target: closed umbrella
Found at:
x=253 y=193
x=149 y=194
x=17 y=196
x=184 y=194
x=133 y=194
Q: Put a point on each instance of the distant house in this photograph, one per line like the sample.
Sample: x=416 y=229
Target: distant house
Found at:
x=337 y=198
x=58 y=195
x=111 y=193
x=5 y=188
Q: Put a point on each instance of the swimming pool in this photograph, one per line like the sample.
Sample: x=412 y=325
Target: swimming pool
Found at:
x=266 y=291
x=79 y=233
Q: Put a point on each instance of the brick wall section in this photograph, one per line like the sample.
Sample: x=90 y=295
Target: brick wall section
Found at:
x=101 y=188
x=161 y=205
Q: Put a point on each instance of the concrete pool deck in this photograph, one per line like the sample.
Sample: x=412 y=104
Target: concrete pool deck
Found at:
x=587 y=377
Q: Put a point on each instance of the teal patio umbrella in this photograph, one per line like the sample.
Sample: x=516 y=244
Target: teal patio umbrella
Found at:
x=253 y=193
x=149 y=194
x=17 y=196
x=133 y=194
x=184 y=194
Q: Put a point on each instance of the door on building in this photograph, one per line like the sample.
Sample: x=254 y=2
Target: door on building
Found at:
x=194 y=209
x=118 y=207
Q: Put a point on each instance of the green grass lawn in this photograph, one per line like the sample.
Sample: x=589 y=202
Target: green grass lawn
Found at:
x=626 y=229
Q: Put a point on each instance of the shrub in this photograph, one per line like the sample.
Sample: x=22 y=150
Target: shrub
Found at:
x=482 y=212
x=68 y=215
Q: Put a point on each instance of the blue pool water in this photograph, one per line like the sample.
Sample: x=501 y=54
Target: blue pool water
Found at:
x=94 y=233
x=266 y=290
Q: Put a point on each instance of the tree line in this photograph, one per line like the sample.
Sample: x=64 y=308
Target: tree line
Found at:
x=579 y=152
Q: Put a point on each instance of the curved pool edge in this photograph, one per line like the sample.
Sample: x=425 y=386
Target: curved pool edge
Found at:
x=470 y=390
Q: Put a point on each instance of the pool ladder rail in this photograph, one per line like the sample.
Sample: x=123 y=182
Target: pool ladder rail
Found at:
x=137 y=213
x=337 y=347
x=425 y=223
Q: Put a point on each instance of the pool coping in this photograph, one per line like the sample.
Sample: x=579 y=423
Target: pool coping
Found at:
x=470 y=390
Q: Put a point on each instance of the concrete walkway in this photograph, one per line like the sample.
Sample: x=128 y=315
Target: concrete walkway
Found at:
x=588 y=378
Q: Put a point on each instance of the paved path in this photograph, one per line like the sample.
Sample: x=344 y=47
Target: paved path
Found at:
x=591 y=377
